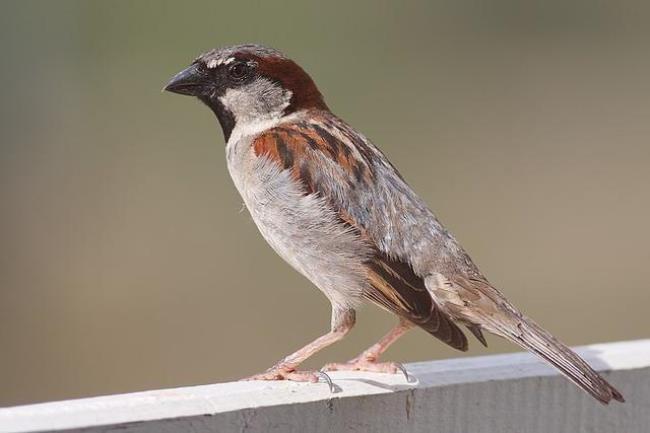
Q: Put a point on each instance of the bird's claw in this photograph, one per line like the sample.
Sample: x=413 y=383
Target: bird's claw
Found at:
x=327 y=379
x=407 y=376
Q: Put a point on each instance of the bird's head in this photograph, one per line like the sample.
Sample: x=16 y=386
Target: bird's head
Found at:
x=248 y=85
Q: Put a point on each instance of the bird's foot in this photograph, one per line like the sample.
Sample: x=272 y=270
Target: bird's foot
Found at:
x=365 y=364
x=288 y=373
x=283 y=373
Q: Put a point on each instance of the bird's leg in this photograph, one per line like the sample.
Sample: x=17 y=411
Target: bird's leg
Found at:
x=367 y=360
x=285 y=369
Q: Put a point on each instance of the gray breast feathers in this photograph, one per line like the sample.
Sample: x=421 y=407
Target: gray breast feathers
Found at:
x=302 y=228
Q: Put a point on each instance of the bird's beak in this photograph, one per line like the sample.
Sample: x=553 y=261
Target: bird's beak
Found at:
x=189 y=82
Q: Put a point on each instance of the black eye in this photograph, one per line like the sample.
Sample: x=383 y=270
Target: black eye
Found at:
x=238 y=71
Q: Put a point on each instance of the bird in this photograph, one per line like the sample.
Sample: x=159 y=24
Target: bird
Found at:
x=331 y=204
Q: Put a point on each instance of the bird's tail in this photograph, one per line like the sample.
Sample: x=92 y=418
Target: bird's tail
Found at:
x=527 y=334
x=476 y=303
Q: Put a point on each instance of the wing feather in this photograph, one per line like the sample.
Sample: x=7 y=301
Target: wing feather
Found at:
x=322 y=157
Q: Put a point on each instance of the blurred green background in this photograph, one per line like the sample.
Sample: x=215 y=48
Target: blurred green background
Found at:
x=127 y=263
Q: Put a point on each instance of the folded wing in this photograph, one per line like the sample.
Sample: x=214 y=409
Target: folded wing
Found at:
x=324 y=158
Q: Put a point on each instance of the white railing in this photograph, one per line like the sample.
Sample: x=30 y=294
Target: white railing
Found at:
x=489 y=394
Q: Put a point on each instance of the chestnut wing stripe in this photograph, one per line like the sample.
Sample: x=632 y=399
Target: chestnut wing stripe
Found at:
x=332 y=144
x=285 y=154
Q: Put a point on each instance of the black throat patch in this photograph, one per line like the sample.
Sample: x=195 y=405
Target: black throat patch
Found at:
x=225 y=116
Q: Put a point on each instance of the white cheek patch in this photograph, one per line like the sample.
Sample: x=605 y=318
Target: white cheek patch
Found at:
x=256 y=106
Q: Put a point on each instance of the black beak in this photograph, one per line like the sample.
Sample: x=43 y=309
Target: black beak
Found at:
x=189 y=82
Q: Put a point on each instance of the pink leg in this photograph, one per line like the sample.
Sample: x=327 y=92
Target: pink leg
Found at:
x=285 y=369
x=367 y=360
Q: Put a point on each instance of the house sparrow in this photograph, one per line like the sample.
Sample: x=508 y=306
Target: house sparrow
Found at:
x=331 y=204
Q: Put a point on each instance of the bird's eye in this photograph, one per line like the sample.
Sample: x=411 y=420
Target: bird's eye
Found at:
x=238 y=71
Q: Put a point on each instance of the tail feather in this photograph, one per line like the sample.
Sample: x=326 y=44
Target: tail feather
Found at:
x=532 y=337
x=477 y=304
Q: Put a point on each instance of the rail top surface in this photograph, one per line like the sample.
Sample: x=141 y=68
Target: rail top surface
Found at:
x=498 y=393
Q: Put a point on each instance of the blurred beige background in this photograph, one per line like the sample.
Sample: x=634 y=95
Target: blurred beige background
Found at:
x=127 y=263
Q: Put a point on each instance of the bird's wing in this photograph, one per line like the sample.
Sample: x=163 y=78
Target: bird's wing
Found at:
x=395 y=287
x=334 y=162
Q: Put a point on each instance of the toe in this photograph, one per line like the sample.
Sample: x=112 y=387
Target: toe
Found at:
x=388 y=367
x=377 y=367
x=286 y=374
x=302 y=376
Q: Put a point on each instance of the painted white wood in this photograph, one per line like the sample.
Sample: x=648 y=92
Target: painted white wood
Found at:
x=502 y=393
